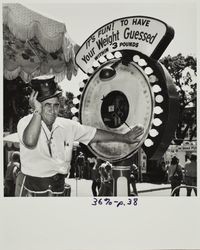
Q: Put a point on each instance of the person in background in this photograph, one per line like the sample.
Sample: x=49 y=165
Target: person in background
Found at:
x=133 y=179
x=9 y=183
x=175 y=175
x=106 y=188
x=96 y=177
x=46 y=140
x=191 y=174
x=91 y=161
x=90 y=165
x=80 y=164
x=16 y=170
x=164 y=175
x=18 y=177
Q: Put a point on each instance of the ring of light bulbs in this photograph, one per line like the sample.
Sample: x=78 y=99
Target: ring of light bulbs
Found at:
x=155 y=83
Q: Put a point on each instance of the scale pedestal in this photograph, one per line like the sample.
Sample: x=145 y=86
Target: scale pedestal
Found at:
x=121 y=180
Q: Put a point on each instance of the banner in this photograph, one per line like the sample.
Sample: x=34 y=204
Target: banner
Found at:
x=145 y=34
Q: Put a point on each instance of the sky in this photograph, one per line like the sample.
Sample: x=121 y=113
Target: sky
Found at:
x=82 y=19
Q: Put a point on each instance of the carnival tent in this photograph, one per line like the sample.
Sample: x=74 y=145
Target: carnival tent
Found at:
x=35 y=45
x=11 y=141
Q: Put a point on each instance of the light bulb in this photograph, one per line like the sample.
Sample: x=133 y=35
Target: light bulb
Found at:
x=157 y=122
x=153 y=78
x=74 y=110
x=118 y=54
x=142 y=62
x=158 y=110
x=136 y=58
x=156 y=88
x=148 y=70
x=159 y=98
x=148 y=143
x=153 y=132
x=75 y=101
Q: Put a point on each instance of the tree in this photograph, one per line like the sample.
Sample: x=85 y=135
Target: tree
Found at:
x=184 y=73
x=16 y=105
x=66 y=105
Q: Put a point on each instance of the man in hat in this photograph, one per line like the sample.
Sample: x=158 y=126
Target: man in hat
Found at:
x=191 y=174
x=46 y=141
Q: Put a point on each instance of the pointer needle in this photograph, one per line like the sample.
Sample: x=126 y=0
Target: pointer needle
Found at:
x=124 y=122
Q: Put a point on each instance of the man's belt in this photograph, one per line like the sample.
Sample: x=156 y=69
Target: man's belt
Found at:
x=54 y=184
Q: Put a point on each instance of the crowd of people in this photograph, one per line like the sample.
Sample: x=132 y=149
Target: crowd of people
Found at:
x=90 y=168
x=178 y=175
x=100 y=173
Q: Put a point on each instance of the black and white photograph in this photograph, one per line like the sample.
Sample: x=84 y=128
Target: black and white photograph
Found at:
x=99 y=121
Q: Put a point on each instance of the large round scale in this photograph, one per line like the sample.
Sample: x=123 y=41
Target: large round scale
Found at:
x=117 y=97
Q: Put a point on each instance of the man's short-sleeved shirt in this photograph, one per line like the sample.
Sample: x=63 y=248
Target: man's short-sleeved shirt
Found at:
x=38 y=161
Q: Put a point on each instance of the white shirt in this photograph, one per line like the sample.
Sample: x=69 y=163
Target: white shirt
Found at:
x=37 y=161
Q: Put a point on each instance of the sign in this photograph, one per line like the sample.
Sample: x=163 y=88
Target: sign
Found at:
x=188 y=146
x=145 y=34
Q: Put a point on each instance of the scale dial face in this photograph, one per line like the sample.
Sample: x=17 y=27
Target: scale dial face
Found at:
x=117 y=104
x=114 y=109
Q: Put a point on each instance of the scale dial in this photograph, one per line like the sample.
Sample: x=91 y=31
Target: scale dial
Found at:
x=114 y=109
x=116 y=105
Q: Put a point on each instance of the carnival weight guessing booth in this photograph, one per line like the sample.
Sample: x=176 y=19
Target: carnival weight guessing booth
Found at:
x=126 y=85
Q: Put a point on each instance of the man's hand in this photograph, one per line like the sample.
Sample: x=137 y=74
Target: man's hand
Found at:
x=134 y=133
x=34 y=103
x=108 y=136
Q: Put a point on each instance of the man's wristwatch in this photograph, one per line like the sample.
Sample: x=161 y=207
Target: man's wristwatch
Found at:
x=36 y=112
